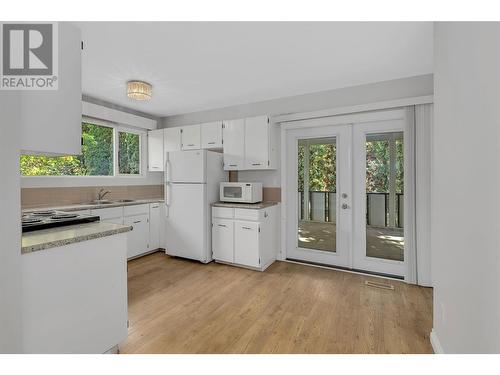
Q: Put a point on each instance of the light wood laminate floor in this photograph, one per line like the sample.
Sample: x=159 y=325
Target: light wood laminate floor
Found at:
x=181 y=306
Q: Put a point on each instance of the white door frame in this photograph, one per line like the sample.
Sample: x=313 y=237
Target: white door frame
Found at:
x=405 y=114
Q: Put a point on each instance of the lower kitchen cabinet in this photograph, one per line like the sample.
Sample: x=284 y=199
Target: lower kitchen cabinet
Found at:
x=138 y=238
x=245 y=237
x=247 y=243
x=147 y=220
x=222 y=240
x=155 y=226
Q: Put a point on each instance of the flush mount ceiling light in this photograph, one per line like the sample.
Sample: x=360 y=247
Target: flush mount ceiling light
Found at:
x=139 y=90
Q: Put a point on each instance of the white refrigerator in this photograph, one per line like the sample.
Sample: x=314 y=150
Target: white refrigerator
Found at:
x=191 y=185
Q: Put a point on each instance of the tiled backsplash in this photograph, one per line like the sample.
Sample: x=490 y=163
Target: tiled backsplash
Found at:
x=271 y=194
x=60 y=196
x=55 y=196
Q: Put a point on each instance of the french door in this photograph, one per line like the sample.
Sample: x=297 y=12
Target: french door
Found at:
x=345 y=189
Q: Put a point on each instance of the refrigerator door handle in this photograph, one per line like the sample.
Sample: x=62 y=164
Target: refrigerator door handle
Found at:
x=167 y=171
x=167 y=199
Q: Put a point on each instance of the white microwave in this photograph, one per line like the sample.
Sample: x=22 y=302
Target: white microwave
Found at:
x=241 y=192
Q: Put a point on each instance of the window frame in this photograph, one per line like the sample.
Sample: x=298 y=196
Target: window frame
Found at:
x=116 y=128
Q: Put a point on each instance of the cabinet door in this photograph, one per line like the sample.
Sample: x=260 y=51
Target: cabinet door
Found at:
x=211 y=135
x=155 y=150
x=222 y=240
x=109 y=215
x=246 y=243
x=51 y=120
x=154 y=226
x=163 y=226
x=171 y=139
x=233 y=134
x=139 y=236
x=257 y=142
x=191 y=137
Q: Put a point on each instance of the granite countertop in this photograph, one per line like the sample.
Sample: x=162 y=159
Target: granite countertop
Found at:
x=93 y=206
x=60 y=236
x=255 y=206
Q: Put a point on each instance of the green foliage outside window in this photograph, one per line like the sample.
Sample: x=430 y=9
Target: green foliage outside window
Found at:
x=377 y=166
x=128 y=153
x=96 y=158
x=323 y=172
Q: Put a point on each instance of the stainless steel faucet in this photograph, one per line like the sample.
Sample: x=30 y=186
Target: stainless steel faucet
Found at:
x=101 y=194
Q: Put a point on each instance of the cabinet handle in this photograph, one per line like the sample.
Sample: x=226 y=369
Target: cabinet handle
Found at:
x=246 y=228
x=233 y=165
x=222 y=225
x=191 y=145
x=211 y=143
x=137 y=222
x=256 y=163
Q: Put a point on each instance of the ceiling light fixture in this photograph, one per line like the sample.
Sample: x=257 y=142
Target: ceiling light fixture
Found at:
x=139 y=90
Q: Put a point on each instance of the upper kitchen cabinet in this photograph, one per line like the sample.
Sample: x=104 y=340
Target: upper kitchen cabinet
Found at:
x=250 y=143
x=260 y=143
x=51 y=121
x=233 y=134
x=211 y=135
x=172 y=139
x=191 y=137
x=155 y=150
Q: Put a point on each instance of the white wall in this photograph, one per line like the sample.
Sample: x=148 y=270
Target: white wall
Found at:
x=345 y=97
x=465 y=236
x=350 y=96
x=10 y=229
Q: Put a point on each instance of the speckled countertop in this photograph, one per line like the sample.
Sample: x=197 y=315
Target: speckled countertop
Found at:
x=92 y=206
x=55 y=237
x=255 y=206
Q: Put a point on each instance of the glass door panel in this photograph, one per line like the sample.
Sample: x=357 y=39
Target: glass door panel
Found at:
x=316 y=182
x=384 y=188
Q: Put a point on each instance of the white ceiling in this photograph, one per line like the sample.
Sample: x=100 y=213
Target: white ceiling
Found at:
x=197 y=66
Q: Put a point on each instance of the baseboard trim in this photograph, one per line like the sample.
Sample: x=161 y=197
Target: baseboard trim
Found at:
x=436 y=345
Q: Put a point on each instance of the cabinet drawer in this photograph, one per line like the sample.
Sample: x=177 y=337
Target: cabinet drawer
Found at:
x=223 y=212
x=249 y=214
x=136 y=210
x=108 y=213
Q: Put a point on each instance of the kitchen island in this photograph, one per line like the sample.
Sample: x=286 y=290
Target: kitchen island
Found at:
x=75 y=288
